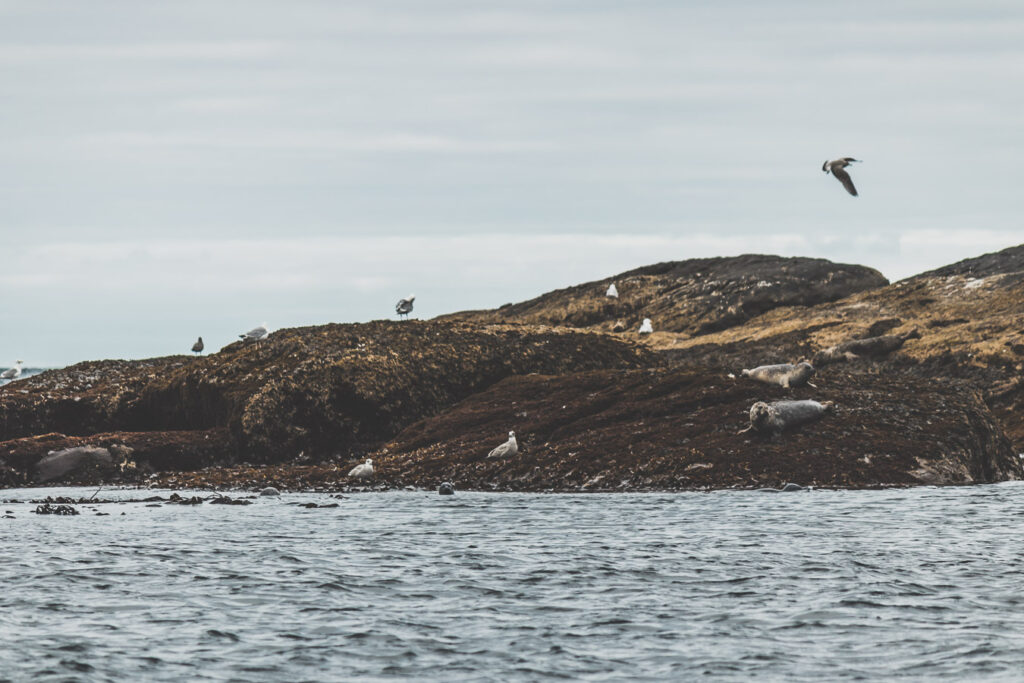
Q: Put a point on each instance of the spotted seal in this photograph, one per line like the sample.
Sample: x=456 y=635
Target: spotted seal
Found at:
x=446 y=489
x=786 y=375
x=775 y=417
x=871 y=347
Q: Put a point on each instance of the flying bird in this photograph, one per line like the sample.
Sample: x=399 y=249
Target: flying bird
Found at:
x=837 y=167
x=12 y=373
x=404 y=306
x=198 y=346
x=510 y=447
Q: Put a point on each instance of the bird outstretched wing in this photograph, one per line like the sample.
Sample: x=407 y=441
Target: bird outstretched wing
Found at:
x=844 y=177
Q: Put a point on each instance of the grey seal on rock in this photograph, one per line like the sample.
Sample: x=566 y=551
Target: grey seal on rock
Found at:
x=57 y=464
x=875 y=347
x=270 y=491
x=446 y=489
x=786 y=375
x=775 y=417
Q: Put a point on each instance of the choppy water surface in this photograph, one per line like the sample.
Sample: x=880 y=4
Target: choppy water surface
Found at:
x=921 y=584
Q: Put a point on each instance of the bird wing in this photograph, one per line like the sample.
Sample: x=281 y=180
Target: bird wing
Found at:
x=844 y=177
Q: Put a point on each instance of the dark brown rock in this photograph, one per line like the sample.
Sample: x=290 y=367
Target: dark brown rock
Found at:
x=135 y=454
x=972 y=315
x=326 y=390
x=662 y=429
x=694 y=297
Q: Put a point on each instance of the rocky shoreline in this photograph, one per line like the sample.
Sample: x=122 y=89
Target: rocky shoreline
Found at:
x=925 y=375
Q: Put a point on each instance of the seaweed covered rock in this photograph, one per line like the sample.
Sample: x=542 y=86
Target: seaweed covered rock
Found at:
x=81 y=399
x=341 y=389
x=694 y=297
x=970 y=316
x=130 y=456
x=670 y=429
x=324 y=390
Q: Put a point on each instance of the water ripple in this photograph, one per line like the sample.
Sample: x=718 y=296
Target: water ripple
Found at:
x=840 y=585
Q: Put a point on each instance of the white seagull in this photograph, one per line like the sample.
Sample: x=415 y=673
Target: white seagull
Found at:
x=645 y=328
x=837 y=166
x=255 y=334
x=362 y=470
x=612 y=291
x=404 y=306
x=13 y=373
x=509 y=448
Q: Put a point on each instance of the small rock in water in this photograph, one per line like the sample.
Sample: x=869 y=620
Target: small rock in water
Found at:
x=446 y=489
x=270 y=491
x=48 y=509
x=179 y=500
x=225 y=500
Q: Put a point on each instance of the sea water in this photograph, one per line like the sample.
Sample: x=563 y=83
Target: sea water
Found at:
x=919 y=584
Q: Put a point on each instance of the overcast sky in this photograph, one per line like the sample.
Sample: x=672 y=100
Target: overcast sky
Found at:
x=186 y=168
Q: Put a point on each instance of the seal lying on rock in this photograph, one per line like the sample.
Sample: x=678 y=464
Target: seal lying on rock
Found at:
x=857 y=348
x=778 y=416
x=57 y=464
x=786 y=375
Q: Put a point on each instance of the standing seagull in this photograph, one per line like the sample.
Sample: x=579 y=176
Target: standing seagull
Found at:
x=837 y=167
x=612 y=291
x=198 y=346
x=645 y=327
x=255 y=334
x=362 y=470
x=510 y=447
x=13 y=373
x=404 y=306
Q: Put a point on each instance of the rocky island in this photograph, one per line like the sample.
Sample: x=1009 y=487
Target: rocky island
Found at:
x=924 y=375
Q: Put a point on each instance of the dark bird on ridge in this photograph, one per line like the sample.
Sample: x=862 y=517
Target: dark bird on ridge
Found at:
x=404 y=306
